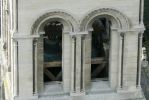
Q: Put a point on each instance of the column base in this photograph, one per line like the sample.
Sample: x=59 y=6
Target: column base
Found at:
x=26 y=97
x=129 y=89
x=131 y=92
x=77 y=93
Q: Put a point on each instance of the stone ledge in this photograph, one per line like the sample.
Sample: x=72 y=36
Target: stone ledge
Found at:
x=26 y=98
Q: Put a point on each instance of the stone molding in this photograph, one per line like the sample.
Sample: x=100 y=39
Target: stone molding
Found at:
x=62 y=16
x=16 y=37
x=121 y=20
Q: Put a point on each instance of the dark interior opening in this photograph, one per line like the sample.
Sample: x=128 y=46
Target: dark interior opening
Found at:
x=100 y=49
x=53 y=51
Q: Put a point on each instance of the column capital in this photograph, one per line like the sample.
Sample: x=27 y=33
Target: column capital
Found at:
x=122 y=34
x=140 y=35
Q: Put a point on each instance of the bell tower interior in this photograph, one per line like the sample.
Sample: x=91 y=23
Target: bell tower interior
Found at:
x=100 y=49
x=53 y=51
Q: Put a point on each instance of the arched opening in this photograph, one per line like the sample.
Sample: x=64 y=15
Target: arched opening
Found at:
x=53 y=51
x=100 y=49
x=113 y=21
x=53 y=28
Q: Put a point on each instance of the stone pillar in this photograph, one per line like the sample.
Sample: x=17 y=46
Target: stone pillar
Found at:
x=83 y=67
x=113 y=58
x=78 y=64
x=122 y=59
x=66 y=61
x=139 y=60
x=130 y=61
x=40 y=63
x=15 y=68
x=35 y=68
x=25 y=69
x=87 y=59
x=73 y=65
x=77 y=69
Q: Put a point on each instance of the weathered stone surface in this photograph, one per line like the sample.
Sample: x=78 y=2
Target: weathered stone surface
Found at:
x=28 y=18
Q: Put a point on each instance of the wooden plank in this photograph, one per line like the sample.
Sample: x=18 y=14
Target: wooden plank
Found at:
x=49 y=74
x=98 y=70
x=59 y=75
x=97 y=60
x=53 y=64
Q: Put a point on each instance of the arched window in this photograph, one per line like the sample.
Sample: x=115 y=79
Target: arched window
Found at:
x=100 y=48
x=53 y=51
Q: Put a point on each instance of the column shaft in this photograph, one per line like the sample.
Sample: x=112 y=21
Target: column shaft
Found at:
x=15 y=68
x=73 y=65
x=78 y=64
x=40 y=63
x=114 y=58
x=139 y=59
x=66 y=61
x=87 y=60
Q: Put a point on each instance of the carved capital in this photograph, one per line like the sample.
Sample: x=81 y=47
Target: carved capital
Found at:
x=122 y=34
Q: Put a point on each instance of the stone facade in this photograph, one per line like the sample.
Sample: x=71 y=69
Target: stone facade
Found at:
x=22 y=68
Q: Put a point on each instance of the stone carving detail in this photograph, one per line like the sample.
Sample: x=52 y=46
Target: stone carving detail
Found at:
x=56 y=14
x=106 y=12
x=121 y=19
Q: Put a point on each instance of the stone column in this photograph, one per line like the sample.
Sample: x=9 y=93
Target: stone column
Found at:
x=15 y=68
x=113 y=58
x=73 y=65
x=139 y=60
x=130 y=61
x=40 y=63
x=35 y=68
x=77 y=69
x=66 y=60
x=83 y=67
x=121 y=61
x=87 y=59
x=79 y=65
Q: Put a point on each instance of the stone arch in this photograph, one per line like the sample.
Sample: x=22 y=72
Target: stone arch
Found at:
x=118 y=19
x=118 y=23
x=69 y=22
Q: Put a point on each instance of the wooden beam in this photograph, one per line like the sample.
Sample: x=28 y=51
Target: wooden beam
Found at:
x=97 y=60
x=98 y=70
x=59 y=75
x=50 y=75
x=53 y=64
